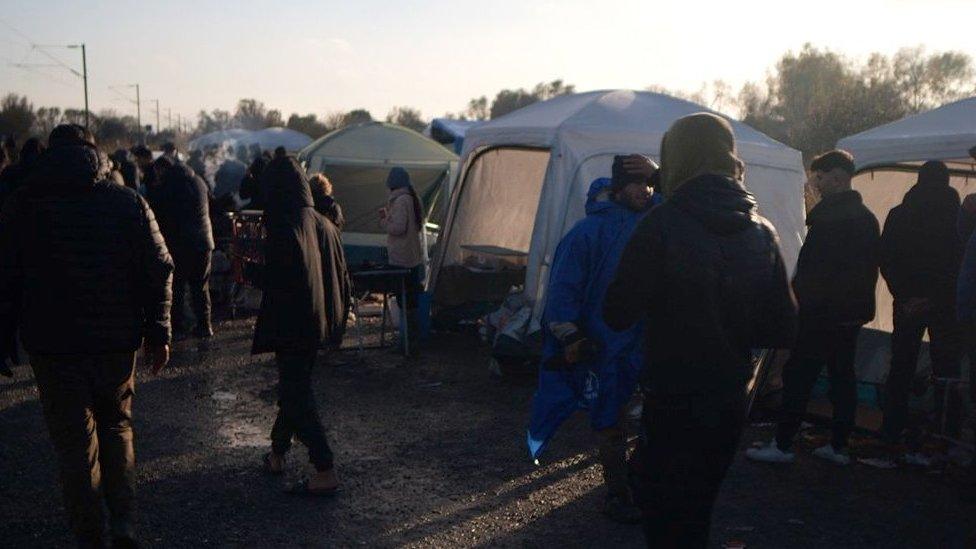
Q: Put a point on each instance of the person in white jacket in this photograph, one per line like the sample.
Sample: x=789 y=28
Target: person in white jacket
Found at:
x=403 y=219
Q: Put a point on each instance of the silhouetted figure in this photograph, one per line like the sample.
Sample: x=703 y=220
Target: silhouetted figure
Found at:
x=85 y=293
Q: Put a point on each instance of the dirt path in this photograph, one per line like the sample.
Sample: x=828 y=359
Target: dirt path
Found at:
x=430 y=453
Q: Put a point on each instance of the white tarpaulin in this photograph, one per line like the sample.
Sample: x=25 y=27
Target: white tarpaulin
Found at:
x=525 y=176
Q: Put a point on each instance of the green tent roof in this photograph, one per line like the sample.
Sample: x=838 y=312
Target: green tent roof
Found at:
x=376 y=144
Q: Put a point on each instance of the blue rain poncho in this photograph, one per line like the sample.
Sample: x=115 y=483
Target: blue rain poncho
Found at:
x=583 y=267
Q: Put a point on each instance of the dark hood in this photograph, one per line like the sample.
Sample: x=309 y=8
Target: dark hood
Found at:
x=718 y=202
x=178 y=173
x=932 y=199
x=843 y=205
x=285 y=186
x=69 y=166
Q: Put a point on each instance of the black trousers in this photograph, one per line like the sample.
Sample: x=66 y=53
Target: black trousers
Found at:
x=192 y=268
x=817 y=346
x=298 y=414
x=685 y=450
x=945 y=350
x=87 y=403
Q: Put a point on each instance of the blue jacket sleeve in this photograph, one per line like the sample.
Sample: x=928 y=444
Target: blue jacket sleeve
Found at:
x=568 y=280
x=966 y=288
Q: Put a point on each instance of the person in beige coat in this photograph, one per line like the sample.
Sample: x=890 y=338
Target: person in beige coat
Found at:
x=403 y=219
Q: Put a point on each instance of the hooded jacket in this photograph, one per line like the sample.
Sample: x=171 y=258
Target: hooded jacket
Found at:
x=583 y=267
x=293 y=317
x=920 y=248
x=83 y=266
x=704 y=271
x=182 y=203
x=402 y=232
x=837 y=271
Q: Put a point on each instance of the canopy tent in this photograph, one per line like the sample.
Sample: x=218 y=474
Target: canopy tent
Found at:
x=525 y=176
x=357 y=160
x=450 y=132
x=888 y=158
x=267 y=139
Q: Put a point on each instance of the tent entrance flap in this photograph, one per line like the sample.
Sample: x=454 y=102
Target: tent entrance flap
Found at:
x=361 y=191
x=495 y=210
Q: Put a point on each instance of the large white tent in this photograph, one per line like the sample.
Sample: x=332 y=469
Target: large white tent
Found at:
x=887 y=159
x=525 y=176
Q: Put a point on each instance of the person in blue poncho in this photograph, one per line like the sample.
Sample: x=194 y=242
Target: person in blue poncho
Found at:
x=585 y=364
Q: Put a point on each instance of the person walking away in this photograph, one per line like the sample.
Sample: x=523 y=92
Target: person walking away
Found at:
x=585 y=363
x=335 y=278
x=403 y=219
x=920 y=260
x=85 y=293
x=325 y=203
x=195 y=162
x=293 y=322
x=147 y=173
x=184 y=214
x=15 y=175
x=835 y=281
x=251 y=185
x=704 y=271
x=126 y=165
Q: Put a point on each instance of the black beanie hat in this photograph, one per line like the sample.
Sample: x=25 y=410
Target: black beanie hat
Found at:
x=620 y=177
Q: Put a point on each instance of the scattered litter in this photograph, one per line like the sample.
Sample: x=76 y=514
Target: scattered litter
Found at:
x=734 y=544
x=763 y=424
x=878 y=463
x=431 y=385
x=223 y=396
x=797 y=522
x=742 y=528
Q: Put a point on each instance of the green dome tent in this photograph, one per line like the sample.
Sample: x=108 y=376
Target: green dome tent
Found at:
x=357 y=160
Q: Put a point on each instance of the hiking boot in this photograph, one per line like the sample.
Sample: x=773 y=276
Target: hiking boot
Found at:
x=828 y=453
x=619 y=509
x=770 y=453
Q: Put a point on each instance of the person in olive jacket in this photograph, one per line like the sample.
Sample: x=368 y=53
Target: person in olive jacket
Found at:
x=835 y=281
x=705 y=271
x=85 y=277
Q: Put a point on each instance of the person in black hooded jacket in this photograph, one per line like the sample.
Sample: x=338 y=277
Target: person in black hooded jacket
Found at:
x=14 y=176
x=921 y=255
x=835 y=281
x=705 y=272
x=85 y=276
x=293 y=321
x=182 y=202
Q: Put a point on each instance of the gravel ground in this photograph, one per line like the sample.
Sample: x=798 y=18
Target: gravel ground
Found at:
x=430 y=453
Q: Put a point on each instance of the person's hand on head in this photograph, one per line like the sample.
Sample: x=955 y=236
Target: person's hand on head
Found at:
x=640 y=165
x=156 y=357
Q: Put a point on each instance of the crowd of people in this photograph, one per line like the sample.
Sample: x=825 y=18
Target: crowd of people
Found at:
x=664 y=290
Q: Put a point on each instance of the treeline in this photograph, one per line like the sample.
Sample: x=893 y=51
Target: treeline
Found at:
x=809 y=100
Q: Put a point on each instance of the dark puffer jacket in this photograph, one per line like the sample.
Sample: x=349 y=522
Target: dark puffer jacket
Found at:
x=83 y=267
x=837 y=272
x=705 y=270
x=182 y=204
x=921 y=252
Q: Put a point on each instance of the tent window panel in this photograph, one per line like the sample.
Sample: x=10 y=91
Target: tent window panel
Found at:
x=498 y=202
x=361 y=192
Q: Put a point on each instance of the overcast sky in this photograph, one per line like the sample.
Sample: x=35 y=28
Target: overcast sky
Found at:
x=320 y=57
